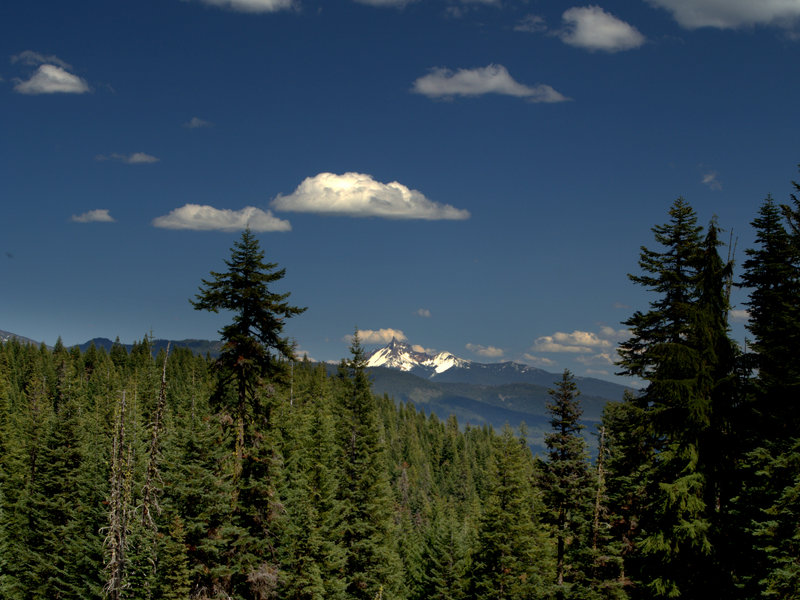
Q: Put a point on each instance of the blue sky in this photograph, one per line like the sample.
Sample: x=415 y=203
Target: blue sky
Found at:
x=473 y=176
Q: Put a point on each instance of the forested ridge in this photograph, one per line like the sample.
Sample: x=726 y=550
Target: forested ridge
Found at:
x=136 y=474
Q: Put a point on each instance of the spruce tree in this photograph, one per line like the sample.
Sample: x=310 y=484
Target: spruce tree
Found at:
x=681 y=347
x=253 y=345
x=567 y=487
x=372 y=567
x=511 y=554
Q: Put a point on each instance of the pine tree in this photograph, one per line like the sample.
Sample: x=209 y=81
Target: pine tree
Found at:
x=511 y=553
x=372 y=566
x=768 y=503
x=772 y=274
x=682 y=348
x=253 y=344
x=567 y=487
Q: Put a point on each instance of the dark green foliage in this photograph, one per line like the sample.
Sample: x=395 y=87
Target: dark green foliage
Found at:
x=256 y=477
x=568 y=489
x=512 y=552
x=681 y=347
x=253 y=343
x=371 y=561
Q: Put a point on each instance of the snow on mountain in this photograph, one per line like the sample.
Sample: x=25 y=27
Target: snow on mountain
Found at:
x=399 y=355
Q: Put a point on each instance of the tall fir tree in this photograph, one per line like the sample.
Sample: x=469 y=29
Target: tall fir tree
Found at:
x=681 y=347
x=511 y=554
x=372 y=567
x=568 y=489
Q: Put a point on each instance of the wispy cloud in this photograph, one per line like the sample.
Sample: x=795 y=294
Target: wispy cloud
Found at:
x=135 y=158
x=359 y=195
x=711 y=180
x=199 y=217
x=492 y=79
x=592 y=28
x=531 y=24
x=377 y=336
x=603 y=358
x=252 y=6
x=577 y=342
x=539 y=361
x=423 y=349
x=423 y=312
x=51 y=79
x=197 y=123
x=32 y=59
x=485 y=351
x=393 y=3
x=731 y=14
x=100 y=215
x=739 y=315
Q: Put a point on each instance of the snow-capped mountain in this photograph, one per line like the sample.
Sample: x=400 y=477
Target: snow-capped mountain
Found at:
x=446 y=368
x=399 y=355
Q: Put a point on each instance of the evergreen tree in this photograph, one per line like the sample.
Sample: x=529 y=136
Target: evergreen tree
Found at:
x=772 y=274
x=682 y=348
x=372 y=566
x=511 y=554
x=253 y=344
x=567 y=487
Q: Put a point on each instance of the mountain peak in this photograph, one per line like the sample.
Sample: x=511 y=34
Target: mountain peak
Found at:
x=401 y=355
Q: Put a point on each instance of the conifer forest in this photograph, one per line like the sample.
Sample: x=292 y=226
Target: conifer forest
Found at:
x=136 y=475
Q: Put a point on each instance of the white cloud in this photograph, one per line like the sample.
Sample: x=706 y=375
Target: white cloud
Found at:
x=31 y=58
x=493 y=79
x=593 y=28
x=359 y=195
x=710 y=179
x=197 y=123
x=253 y=6
x=531 y=24
x=731 y=14
x=604 y=358
x=378 y=336
x=485 y=351
x=99 y=215
x=398 y=3
x=739 y=315
x=52 y=79
x=597 y=372
x=423 y=312
x=207 y=218
x=423 y=349
x=616 y=335
x=135 y=158
x=577 y=342
x=539 y=361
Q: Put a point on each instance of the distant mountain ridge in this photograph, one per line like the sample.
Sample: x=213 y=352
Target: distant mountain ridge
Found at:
x=6 y=336
x=445 y=367
x=202 y=347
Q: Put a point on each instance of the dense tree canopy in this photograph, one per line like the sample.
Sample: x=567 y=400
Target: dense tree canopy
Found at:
x=130 y=476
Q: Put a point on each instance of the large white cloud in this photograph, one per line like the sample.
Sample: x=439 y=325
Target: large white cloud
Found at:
x=492 y=79
x=253 y=6
x=200 y=217
x=593 y=28
x=731 y=14
x=359 y=195
x=52 y=79
x=100 y=215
